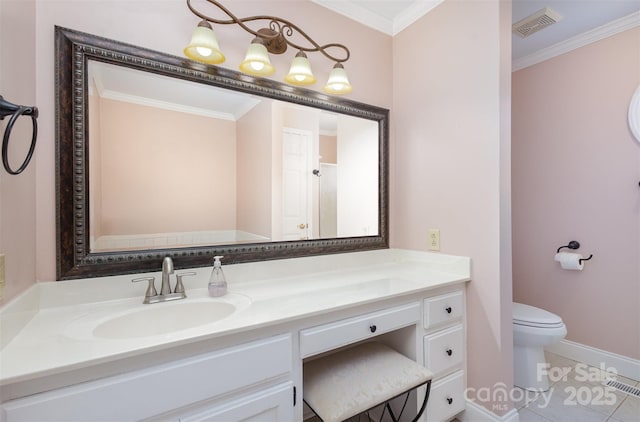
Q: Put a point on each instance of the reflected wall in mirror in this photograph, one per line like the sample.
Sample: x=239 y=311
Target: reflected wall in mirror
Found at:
x=161 y=156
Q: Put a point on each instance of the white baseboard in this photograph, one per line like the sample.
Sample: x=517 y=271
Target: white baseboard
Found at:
x=476 y=413
x=625 y=366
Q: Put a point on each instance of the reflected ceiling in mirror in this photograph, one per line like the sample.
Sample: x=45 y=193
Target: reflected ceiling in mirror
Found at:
x=161 y=156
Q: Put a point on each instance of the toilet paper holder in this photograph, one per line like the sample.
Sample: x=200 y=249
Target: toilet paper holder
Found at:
x=574 y=244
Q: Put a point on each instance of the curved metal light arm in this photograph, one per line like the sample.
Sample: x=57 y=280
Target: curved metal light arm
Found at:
x=282 y=29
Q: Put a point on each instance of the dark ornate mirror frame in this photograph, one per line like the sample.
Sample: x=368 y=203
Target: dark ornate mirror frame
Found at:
x=74 y=260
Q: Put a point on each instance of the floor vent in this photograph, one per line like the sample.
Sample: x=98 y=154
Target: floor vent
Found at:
x=625 y=388
x=535 y=22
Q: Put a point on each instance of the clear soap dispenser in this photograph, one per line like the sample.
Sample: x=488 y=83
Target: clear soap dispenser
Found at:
x=217 y=281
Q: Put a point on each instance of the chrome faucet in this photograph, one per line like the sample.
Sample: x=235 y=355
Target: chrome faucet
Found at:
x=167 y=270
x=152 y=296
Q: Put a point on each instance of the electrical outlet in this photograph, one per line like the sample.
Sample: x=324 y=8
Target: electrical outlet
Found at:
x=434 y=239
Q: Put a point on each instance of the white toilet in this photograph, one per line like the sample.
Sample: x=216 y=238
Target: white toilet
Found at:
x=533 y=328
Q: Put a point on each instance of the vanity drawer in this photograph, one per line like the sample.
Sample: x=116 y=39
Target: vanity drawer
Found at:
x=447 y=398
x=444 y=350
x=330 y=336
x=441 y=309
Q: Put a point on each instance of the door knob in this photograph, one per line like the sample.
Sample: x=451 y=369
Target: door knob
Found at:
x=301 y=226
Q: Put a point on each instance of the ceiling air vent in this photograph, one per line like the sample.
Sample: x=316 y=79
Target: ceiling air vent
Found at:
x=535 y=22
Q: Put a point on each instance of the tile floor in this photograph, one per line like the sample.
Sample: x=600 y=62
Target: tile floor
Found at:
x=578 y=394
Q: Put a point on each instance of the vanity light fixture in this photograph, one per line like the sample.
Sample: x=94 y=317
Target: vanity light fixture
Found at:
x=300 y=71
x=256 y=61
x=204 y=45
x=338 y=82
x=274 y=39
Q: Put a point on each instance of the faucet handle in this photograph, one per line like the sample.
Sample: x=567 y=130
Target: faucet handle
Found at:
x=179 y=286
x=151 y=288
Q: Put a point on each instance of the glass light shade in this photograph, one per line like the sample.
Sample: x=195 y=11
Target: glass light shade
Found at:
x=204 y=45
x=300 y=71
x=338 y=82
x=257 y=62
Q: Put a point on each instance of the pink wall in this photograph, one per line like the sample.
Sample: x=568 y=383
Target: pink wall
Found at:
x=328 y=149
x=174 y=161
x=450 y=156
x=576 y=170
x=254 y=147
x=18 y=223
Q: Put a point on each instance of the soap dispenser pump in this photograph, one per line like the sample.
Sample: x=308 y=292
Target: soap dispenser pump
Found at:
x=217 y=281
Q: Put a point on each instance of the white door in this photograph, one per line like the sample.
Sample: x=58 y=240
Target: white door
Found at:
x=296 y=184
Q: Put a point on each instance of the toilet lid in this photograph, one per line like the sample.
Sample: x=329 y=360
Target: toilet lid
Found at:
x=530 y=315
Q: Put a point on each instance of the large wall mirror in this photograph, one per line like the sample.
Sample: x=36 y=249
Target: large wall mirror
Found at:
x=161 y=156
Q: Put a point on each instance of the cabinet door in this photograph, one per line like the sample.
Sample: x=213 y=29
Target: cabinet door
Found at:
x=170 y=386
x=272 y=405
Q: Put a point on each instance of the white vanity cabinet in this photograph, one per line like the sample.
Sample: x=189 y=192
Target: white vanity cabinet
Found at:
x=251 y=381
x=444 y=353
x=250 y=365
x=255 y=381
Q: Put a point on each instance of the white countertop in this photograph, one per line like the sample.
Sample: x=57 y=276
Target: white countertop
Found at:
x=48 y=330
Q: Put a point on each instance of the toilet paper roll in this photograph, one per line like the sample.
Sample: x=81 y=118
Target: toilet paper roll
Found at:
x=569 y=260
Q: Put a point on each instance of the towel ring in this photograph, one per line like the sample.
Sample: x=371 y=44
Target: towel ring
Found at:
x=7 y=108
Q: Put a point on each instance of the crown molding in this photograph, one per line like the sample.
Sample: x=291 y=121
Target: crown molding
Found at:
x=408 y=16
x=388 y=26
x=165 y=105
x=359 y=14
x=614 y=27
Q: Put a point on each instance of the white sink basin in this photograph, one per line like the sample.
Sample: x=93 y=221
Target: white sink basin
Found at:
x=160 y=320
x=130 y=321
